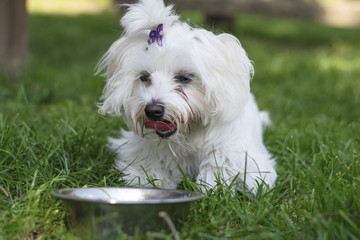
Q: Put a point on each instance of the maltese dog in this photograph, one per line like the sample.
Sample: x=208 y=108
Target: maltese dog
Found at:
x=184 y=94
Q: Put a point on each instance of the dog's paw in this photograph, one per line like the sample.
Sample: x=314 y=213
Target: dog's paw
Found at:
x=206 y=181
x=210 y=178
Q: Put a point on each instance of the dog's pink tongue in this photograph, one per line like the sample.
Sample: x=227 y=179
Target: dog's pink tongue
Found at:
x=160 y=126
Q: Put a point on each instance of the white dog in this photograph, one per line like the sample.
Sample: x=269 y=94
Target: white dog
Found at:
x=184 y=94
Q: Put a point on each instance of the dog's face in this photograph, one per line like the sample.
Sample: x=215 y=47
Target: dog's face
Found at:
x=168 y=96
x=171 y=83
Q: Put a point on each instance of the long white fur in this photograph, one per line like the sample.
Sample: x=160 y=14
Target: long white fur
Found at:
x=220 y=126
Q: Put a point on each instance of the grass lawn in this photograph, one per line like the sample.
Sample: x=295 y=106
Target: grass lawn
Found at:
x=307 y=76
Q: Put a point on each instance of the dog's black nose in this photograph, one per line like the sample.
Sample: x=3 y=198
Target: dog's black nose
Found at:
x=154 y=111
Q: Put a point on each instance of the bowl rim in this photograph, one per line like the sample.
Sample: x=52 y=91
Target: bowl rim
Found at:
x=190 y=196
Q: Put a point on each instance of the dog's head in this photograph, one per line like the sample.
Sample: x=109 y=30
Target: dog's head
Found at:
x=164 y=76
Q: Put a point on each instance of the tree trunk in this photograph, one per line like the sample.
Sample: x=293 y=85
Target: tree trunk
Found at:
x=13 y=36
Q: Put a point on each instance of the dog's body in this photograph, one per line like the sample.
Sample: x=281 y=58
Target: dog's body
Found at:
x=185 y=95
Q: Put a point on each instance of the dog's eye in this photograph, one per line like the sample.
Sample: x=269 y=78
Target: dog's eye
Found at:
x=145 y=78
x=184 y=79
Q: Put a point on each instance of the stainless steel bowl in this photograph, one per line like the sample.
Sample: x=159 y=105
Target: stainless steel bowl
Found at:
x=105 y=213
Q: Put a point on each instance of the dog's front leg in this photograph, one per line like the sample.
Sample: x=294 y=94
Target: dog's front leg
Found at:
x=231 y=170
x=214 y=171
x=146 y=172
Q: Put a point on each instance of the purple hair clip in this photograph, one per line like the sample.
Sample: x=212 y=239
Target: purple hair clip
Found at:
x=156 y=35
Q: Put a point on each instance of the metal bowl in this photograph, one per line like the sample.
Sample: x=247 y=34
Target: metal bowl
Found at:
x=105 y=213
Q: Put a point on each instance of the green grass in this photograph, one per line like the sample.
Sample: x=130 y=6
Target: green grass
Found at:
x=307 y=76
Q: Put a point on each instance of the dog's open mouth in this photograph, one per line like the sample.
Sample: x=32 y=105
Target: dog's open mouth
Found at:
x=163 y=129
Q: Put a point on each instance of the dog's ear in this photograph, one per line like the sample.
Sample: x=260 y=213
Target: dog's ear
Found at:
x=119 y=77
x=226 y=72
